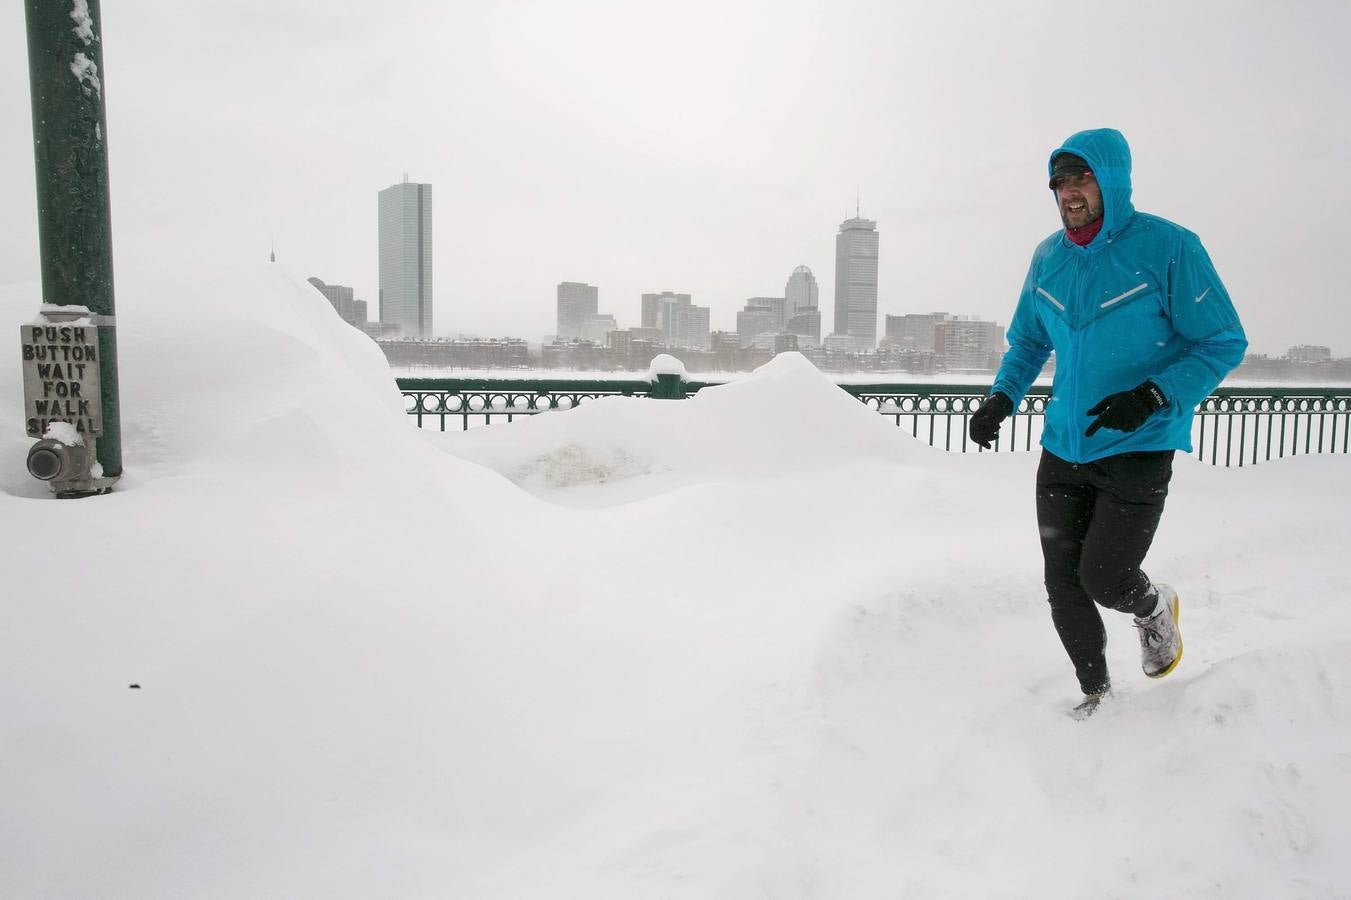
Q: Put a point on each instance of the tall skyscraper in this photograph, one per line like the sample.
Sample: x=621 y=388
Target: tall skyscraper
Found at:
x=856 y=282
x=801 y=292
x=802 y=313
x=406 y=258
x=577 y=303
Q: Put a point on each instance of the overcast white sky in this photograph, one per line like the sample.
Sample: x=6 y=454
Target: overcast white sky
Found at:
x=711 y=147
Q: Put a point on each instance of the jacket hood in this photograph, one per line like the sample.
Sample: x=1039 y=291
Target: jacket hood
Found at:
x=1106 y=151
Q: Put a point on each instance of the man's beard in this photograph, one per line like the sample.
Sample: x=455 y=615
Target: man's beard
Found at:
x=1094 y=214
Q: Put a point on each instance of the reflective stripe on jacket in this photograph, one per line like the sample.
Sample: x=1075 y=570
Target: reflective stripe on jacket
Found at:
x=1141 y=301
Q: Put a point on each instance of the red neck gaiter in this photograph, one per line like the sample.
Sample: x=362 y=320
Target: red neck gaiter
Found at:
x=1084 y=236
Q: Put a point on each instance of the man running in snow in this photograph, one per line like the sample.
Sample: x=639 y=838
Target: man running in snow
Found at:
x=1143 y=330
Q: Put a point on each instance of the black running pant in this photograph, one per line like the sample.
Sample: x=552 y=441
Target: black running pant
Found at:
x=1097 y=521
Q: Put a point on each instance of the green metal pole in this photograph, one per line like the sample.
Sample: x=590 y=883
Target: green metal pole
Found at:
x=70 y=152
x=667 y=387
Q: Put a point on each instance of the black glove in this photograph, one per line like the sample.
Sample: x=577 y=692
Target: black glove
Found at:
x=1127 y=410
x=984 y=427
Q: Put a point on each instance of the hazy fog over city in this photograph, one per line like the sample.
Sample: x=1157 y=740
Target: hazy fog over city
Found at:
x=710 y=149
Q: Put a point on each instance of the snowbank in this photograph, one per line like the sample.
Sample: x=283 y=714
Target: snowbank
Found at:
x=783 y=651
x=788 y=420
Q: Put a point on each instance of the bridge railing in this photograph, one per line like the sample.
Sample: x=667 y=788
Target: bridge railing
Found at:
x=1234 y=426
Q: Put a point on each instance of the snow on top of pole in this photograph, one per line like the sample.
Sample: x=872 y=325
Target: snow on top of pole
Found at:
x=666 y=364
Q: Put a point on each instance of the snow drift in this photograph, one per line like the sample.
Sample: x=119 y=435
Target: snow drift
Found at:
x=755 y=643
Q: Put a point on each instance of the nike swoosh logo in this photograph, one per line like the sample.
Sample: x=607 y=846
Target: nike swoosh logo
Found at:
x=1203 y=295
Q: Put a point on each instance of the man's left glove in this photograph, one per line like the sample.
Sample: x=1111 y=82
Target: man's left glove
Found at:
x=1127 y=410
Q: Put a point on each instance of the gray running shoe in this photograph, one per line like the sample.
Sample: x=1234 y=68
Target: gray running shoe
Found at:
x=1160 y=640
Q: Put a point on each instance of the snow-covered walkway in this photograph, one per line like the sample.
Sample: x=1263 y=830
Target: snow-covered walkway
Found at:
x=756 y=643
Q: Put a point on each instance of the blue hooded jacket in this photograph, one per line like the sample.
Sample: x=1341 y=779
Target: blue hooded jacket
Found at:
x=1141 y=302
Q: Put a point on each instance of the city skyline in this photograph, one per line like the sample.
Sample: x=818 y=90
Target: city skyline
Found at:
x=406 y=267
x=564 y=153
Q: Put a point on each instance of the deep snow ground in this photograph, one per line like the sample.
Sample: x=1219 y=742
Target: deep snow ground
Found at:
x=756 y=643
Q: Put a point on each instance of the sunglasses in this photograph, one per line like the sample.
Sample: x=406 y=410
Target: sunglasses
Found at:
x=1075 y=180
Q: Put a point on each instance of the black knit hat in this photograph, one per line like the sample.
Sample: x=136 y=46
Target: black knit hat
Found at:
x=1068 y=164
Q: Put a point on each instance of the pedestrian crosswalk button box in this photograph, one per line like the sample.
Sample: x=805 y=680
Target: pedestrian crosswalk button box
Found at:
x=62 y=397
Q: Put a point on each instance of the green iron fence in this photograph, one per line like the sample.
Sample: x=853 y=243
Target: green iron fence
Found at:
x=1233 y=427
